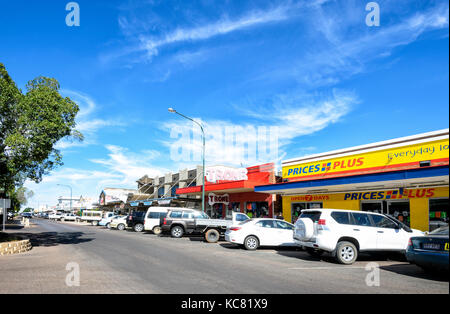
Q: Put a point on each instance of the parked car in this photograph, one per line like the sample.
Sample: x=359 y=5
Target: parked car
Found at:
x=430 y=252
x=92 y=216
x=69 y=217
x=345 y=233
x=136 y=220
x=119 y=223
x=26 y=215
x=255 y=233
x=153 y=218
x=55 y=216
x=106 y=221
x=213 y=229
x=180 y=221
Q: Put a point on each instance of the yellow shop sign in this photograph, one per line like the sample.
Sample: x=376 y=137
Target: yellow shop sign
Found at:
x=382 y=159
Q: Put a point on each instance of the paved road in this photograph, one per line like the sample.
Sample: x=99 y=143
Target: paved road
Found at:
x=114 y=261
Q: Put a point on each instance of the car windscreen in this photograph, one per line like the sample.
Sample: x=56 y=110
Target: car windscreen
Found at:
x=314 y=216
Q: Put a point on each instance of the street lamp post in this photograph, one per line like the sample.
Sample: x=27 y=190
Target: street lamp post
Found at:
x=203 y=154
x=70 y=194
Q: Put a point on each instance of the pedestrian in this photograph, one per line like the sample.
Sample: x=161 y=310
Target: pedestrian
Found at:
x=280 y=216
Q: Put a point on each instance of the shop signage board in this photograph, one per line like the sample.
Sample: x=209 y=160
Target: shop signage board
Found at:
x=222 y=173
x=216 y=199
x=371 y=195
x=375 y=160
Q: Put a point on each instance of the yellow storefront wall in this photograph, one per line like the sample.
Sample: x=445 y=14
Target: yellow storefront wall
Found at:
x=418 y=202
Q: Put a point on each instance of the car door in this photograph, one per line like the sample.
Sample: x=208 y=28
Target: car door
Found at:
x=363 y=231
x=267 y=232
x=389 y=235
x=285 y=233
x=188 y=218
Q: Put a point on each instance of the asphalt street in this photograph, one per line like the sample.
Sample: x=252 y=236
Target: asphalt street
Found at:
x=112 y=261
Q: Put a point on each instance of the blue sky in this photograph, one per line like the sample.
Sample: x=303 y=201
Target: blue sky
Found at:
x=312 y=69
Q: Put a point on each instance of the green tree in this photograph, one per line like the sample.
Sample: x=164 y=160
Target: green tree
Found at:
x=30 y=125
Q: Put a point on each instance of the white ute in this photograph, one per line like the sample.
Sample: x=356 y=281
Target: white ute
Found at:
x=345 y=233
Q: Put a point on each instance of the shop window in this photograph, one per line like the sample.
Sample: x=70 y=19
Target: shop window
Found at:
x=400 y=210
x=373 y=207
x=438 y=213
x=257 y=209
x=233 y=207
x=217 y=211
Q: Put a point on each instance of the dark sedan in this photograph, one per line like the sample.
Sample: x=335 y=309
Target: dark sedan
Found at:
x=431 y=251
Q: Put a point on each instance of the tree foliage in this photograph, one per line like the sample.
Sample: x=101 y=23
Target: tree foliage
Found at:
x=30 y=126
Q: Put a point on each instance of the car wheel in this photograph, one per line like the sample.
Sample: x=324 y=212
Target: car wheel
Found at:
x=157 y=230
x=346 y=253
x=121 y=227
x=177 y=232
x=95 y=223
x=212 y=236
x=138 y=227
x=251 y=243
x=108 y=225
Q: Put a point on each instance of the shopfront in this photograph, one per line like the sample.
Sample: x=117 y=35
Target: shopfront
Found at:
x=232 y=189
x=406 y=178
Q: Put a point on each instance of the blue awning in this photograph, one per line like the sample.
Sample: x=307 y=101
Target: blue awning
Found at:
x=433 y=173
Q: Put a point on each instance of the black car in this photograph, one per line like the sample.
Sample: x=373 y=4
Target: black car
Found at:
x=136 y=220
x=430 y=252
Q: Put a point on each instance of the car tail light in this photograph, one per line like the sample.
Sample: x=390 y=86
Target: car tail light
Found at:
x=410 y=243
x=321 y=222
x=165 y=221
x=235 y=228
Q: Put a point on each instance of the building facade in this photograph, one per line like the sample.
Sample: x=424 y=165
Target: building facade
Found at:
x=404 y=177
x=230 y=189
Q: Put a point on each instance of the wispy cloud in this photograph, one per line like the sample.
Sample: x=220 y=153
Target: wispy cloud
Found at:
x=286 y=119
x=348 y=47
x=86 y=123
x=221 y=27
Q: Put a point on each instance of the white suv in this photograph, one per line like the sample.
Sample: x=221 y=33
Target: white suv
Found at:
x=345 y=233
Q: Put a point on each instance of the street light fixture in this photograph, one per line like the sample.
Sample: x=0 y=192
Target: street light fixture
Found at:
x=171 y=110
x=70 y=194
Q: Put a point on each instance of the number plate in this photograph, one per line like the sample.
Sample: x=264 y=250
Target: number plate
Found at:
x=431 y=246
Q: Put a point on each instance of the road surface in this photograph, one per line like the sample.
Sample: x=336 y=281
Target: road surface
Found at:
x=112 y=261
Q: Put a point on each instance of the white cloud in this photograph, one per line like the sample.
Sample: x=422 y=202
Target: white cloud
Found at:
x=86 y=123
x=266 y=139
x=348 y=47
x=120 y=169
